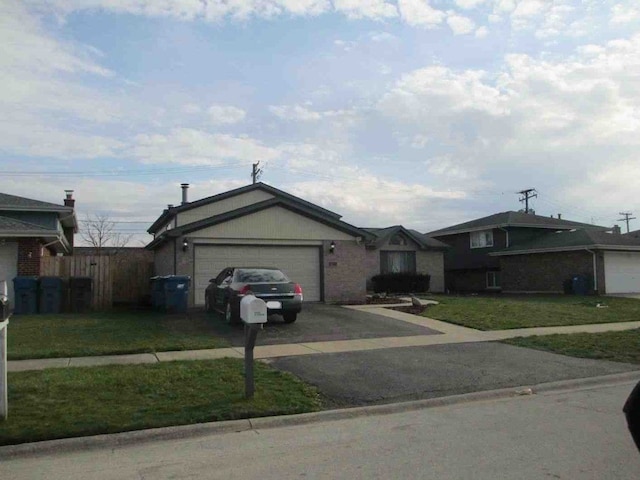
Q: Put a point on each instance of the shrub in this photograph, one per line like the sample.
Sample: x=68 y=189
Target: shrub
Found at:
x=401 y=282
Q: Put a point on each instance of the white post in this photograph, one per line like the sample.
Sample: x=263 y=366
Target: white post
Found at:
x=4 y=322
x=4 y=390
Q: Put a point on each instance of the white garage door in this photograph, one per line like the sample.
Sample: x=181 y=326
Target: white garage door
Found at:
x=301 y=264
x=9 y=265
x=622 y=272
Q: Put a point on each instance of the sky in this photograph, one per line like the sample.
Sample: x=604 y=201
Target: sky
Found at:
x=424 y=113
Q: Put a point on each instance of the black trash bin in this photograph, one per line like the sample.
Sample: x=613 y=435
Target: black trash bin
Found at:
x=158 y=300
x=176 y=293
x=580 y=285
x=26 y=295
x=80 y=294
x=50 y=294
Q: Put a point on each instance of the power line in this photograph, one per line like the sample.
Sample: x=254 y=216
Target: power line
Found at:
x=627 y=217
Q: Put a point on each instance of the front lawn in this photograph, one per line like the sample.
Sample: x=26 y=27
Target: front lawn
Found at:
x=76 y=335
x=621 y=346
x=71 y=402
x=501 y=312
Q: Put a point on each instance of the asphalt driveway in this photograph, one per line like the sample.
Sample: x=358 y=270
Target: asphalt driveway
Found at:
x=401 y=374
x=319 y=323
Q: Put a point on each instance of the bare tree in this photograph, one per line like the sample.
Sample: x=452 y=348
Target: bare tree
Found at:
x=99 y=232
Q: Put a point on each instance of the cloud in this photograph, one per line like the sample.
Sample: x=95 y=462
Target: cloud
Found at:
x=482 y=32
x=419 y=13
x=460 y=25
x=371 y=9
x=295 y=112
x=623 y=14
x=188 y=146
x=469 y=4
x=225 y=114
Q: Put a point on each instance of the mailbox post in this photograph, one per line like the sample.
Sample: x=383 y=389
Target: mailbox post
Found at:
x=253 y=312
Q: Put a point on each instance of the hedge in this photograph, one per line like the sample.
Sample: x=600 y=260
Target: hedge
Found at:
x=401 y=282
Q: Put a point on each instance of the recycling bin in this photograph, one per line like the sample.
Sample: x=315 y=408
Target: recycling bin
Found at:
x=26 y=295
x=176 y=293
x=50 y=295
x=80 y=294
x=580 y=285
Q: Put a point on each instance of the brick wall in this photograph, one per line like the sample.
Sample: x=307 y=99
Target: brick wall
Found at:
x=163 y=259
x=29 y=252
x=433 y=264
x=371 y=265
x=345 y=272
x=543 y=272
x=466 y=280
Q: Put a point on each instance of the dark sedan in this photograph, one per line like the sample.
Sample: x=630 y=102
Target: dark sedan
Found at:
x=281 y=295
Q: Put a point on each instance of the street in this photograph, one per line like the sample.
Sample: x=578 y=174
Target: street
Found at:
x=570 y=434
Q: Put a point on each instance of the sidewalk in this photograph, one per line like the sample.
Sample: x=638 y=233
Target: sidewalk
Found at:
x=451 y=334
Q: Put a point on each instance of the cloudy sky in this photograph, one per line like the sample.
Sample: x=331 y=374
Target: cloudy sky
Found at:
x=424 y=113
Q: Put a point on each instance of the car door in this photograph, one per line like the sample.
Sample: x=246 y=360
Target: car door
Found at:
x=223 y=280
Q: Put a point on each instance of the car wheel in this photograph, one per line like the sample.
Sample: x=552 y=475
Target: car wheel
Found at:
x=289 y=317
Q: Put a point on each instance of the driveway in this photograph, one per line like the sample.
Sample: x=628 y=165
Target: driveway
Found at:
x=400 y=374
x=320 y=323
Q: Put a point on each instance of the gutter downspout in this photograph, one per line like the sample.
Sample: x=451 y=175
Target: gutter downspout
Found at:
x=595 y=271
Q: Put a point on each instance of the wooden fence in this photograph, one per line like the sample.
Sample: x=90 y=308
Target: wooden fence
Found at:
x=115 y=279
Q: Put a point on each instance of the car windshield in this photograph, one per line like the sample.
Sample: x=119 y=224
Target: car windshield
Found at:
x=260 y=275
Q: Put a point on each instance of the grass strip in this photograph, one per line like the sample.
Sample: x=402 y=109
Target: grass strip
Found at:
x=507 y=312
x=77 y=335
x=623 y=346
x=72 y=402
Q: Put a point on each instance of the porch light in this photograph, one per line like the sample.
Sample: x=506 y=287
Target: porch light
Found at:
x=185 y=245
x=332 y=247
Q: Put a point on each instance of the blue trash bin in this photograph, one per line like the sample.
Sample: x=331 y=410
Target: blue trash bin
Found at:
x=26 y=295
x=176 y=290
x=50 y=289
x=580 y=284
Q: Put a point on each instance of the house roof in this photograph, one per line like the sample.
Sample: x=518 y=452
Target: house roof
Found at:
x=22 y=204
x=635 y=234
x=573 y=240
x=513 y=219
x=382 y=236
x=293 y=205
x=170 y=213
x=13 y=228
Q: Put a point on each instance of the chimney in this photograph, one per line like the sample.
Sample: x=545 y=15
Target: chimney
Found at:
x=559 y=216
x=616 y=230
x=185 y=187
x=69 y=201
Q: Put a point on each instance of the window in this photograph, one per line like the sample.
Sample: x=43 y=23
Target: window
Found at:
x=482 y=239
x=493 y=279
x=398 y=262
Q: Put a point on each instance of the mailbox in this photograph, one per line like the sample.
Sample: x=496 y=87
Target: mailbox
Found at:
x=253 y=310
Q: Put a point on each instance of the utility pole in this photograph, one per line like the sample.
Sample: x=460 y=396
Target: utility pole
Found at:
x=526 y=195
x=627 y=217
x=256 y=172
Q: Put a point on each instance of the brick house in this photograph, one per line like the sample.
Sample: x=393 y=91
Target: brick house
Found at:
x=31 y=229
x=470 y=264
x=259 y=225
x=610 y=262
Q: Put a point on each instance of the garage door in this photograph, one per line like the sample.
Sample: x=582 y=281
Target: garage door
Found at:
x=622 y=272
x=9 y=265
x=301 y=264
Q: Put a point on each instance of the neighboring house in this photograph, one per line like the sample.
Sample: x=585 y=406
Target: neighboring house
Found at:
x=31 y=229
x=469 y=265
x=397 y=249
x=259 y=225
x=611 y=262
x=634 y=234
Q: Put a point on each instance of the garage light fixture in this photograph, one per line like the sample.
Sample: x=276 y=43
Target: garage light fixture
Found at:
x=332 y=247
x=185 y=245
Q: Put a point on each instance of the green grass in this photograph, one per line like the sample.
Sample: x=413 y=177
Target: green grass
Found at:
x=503 y=312
x=61 y=403
x=49 y=336
x=621 y=346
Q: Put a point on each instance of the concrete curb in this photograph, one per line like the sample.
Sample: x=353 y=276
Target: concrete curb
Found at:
x=116 y=440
